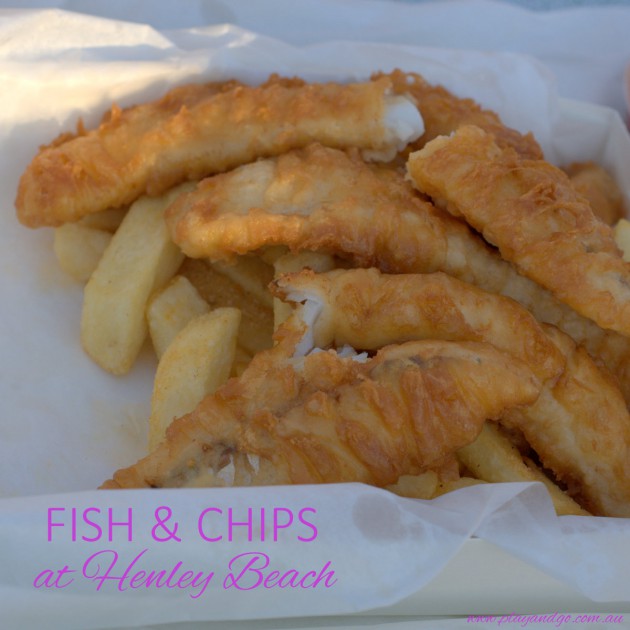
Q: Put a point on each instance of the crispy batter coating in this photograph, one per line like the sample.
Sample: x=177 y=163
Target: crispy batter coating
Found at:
x=324 y=199
x=443 y=113
x=367 y=310
x=195 y=131
x=316 y=198
x=580 y=429
x=494 y=458
x=598 y=186
x=580 y=417
x=532 y=213
x=324 y=418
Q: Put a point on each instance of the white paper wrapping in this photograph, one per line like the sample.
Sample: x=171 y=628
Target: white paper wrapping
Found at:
x=376 y=547
x=587 y=49
x=66 y=425
x=364 y=549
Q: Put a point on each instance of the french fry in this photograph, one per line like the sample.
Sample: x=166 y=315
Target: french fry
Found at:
x=494 y=459
x=255 y=332
x=563 y=503
x=456 y=484
x=108 y=220
x=196 y=362
x=241 y=361
x=287 y=263
x=599 y=187
x=170 y=309
x=271 y=253
x=208 y=322
x=252 y=274
x=622 y=237
x=79 y=248
x=139 y=259
x=423 y=486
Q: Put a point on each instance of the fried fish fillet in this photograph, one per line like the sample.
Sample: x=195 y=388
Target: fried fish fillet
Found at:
x=579 y=419
x=317 y=199
x=532 y=213
x=326 y=418
x=443 y=113
x=323 y=199
x=580 y=429
x=367 y=310
x=198 y=130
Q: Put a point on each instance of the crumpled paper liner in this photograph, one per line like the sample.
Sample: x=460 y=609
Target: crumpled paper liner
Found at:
x=379 y=547
x=66 y=425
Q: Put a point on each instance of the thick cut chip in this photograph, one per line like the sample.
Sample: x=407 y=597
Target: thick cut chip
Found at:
x=422 y=486
x=428 y=484
x=140 y=259
x=79 y=249
x=194 y=365
x=597 y=185
x=580 y=429
x=450 y=486
x=252 y=274
x=195 y=131
x=493 y=458
x=171 y=309
x=108 y=220
x=532 y=213
x=622 y=237
x=217 y=289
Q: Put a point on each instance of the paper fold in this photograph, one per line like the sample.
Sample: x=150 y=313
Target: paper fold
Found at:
x=66 y=425
x=370 y=553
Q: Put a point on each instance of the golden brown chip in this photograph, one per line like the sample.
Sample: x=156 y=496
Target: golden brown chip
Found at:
x=597 y=185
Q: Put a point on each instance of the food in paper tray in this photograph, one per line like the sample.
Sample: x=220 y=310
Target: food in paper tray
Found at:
x=366 y=309
x=330 y=417
x=190 y=132
x=321 y=198
x=318 y=313
x=443 y=112
x=532 y=213
x=622 y=236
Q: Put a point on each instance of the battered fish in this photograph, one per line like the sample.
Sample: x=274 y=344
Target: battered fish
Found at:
x=198 y=130
x=580 y=429
x=317 y=199
x=443 y=113
x=366 y=309
x=579 y=419
x=532 y=213
x=325 y=418
x=322 y=199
